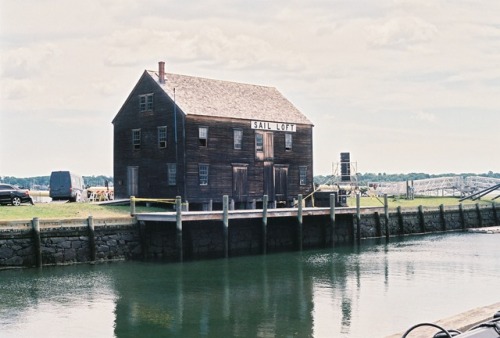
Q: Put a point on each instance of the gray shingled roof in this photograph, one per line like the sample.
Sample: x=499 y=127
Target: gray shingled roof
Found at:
x=200 y=96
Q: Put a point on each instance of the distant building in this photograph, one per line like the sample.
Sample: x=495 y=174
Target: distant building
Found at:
x=200 y=139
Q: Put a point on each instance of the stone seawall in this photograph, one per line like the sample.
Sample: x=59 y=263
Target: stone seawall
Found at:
x=52 y=242
x=422 y=220
x=68 y=241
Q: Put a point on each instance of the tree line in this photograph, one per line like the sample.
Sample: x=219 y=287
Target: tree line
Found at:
x=42 y=182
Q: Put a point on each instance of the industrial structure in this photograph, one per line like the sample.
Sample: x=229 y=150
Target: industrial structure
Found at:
x=470 y=186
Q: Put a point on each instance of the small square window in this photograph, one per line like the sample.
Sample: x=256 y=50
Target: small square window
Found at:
x=238 y=138
x=203 y=136
x=146 y=102
x=203 y=174
x=162 y=137
x=136 y=139
x=288 y=141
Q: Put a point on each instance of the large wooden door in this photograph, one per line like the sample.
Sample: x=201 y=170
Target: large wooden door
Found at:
x=281 y=182
x=240 y=182
x=269 y=180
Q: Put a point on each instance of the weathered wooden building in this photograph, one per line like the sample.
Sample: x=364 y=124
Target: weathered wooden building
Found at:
x=200 y=139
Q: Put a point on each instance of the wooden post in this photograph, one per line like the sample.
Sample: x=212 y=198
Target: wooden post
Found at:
x=386 y=217
x=401 y=222
x=178 y=228
x=299 y=223
x=442 y=217
x=378 y=226
x=421 y=218
x=462 y=215
x=132 y=205
x=265 y=200
x=479 y=216
x=495 y=214
x=37 y=242
x=225 y=221
x=332 y=219
x=358 y=217
x=92 y=248
x=144 y=242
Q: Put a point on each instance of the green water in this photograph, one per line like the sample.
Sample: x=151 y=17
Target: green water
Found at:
x=371 y=290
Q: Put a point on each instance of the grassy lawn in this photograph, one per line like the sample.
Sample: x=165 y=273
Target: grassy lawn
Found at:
x=83 y=210
x=67 y=210
x=423 y=201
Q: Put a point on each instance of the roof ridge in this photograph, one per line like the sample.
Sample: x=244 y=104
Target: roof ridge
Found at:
x=221 y=98
x=211 y=79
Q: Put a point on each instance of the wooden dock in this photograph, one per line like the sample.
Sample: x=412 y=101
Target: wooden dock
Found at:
x=249 y=214
x=225 y=215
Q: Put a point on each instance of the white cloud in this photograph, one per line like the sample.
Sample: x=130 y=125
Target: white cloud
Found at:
x=423 y=116
x=363 y=74
x=29 y=61
x=401 y=32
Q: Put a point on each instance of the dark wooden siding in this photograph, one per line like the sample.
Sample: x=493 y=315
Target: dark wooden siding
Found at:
x=220 y=154
x=151 y=160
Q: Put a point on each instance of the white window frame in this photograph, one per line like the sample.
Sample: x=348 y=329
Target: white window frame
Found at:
x=162 y=137
x=288 y=142
x=203 y=170
x=146 y=102
x=136 y=139
x=172 y=174
x=302 y=175
x=259 y=142
x=238 y=138
x=203 y=136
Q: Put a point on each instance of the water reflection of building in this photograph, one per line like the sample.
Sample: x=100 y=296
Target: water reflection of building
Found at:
x=218 y=299
x=298 y=294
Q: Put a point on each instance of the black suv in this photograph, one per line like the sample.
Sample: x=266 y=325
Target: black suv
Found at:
x=12 y=195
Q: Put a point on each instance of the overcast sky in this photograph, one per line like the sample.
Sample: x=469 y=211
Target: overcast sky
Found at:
x=403 y=85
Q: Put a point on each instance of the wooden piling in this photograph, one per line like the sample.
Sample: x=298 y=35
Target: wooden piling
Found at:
x=143 y=236
x=178 y=228
x=401 y=222
x=462 y=215
x=378 y=225
x=442 y=217
x=225 y=222
x=386 y=217
x=299 y=223
x=37 y=243
x=421 y=218
x=332 y=219
x=358 y=217
x=92 y=247
x=495 y=213
x=132 y=205
x=265 y=200
x=479 y=216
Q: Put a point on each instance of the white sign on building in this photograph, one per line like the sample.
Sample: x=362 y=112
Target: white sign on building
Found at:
x=274 y=126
